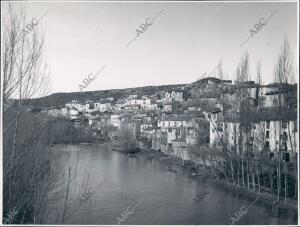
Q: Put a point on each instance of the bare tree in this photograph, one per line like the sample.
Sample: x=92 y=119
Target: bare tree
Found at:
x=243 y=73
x=284 y=70
x=220 y=70
x=258 y=72
x=126 y=138
x=284 y=73
x=24 y=76
x=24 y=67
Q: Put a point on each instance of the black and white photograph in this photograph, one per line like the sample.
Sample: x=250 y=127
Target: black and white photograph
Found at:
x=149 y=113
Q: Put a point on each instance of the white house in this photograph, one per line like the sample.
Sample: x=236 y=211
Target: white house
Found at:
x=132 y=96
x=105 y=107
x=74 y=104
x=144 y=126
x=102 y=107
x=174 y=96
x=73 y=113
x=216 y=126
x=142 y=102
x=84 y=107
x=115 y=120
x=175 y=122
x=171 y=134
x=268 y=134
x=149 y=106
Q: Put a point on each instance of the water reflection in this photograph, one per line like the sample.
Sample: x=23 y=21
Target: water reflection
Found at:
x=168 y=197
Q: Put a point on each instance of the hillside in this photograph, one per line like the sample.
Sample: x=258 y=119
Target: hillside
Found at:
x=59 y=99
x=198 y=89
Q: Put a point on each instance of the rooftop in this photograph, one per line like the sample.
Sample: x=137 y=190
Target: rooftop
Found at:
x=270 y=114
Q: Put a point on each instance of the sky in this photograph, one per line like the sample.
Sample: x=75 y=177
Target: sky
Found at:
x=186 y=40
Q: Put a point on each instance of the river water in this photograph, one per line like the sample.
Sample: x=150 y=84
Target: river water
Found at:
x=104 y=183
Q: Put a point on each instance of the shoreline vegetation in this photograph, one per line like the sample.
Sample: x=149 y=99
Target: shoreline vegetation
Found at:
x=29 y=166
x=178 y=166
x=174 y=164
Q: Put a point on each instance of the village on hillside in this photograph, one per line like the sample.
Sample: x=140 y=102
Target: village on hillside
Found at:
x=151 y=137
x=228 y=117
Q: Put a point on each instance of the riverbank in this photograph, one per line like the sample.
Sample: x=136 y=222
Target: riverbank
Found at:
x=171 y=196
x=263 y=199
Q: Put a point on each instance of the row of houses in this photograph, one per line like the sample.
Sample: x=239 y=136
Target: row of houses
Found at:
x=245 y=118
x=266 y=131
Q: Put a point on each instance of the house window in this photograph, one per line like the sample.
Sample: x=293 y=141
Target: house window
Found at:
x=284 y=136
x=267 y=134
x=209 y=116
x=286 y=157
x=284 y=124
x=267 y=145
x=268 y=125
x=271 y=155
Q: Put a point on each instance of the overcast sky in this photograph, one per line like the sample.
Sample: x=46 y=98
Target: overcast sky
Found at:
x=185 y=41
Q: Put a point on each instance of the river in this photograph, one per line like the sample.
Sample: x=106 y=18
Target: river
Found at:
x=104 y=183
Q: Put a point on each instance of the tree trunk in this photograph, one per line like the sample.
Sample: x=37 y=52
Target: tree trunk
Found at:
x=278 y=182
x=10 y=179
x=271 y=180
x=285 y=184
x=213 y=169
x=296 y=179
x=248 y=173
x=238 y=171
x=66 y=197
x=232 y=171
x=243 y=181
x=258 y=180
x=253 y=181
